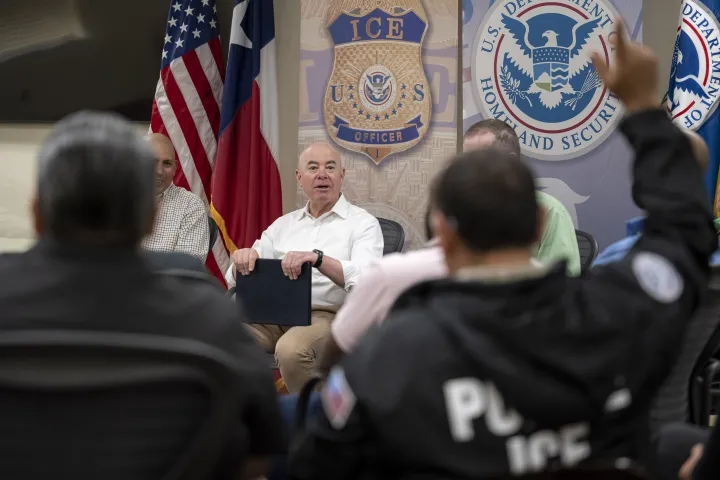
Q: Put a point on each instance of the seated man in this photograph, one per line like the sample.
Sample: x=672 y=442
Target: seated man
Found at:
x=508 y=366
x=634 y=226
x=337 y=238
x=182 y=222
x=94 y=203
x=558 y=241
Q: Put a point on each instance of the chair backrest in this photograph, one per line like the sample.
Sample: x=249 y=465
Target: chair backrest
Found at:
x=393 y=236
x=710 y=345
x=214 y=230
x=78 y=404
x=163 y=261
x=671 y=403
x=588 y=247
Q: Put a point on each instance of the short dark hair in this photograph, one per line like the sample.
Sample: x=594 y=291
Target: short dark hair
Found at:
x=95 y=182
x=489 y=196
x=505 y=136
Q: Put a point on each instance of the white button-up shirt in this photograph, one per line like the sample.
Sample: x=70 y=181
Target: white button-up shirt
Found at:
x=346 y=233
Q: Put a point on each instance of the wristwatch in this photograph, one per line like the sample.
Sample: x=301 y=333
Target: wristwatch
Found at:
x=318 y=262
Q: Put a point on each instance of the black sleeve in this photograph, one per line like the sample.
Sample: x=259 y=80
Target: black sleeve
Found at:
x=327 y=452
x=656 y=288
x=262 y=415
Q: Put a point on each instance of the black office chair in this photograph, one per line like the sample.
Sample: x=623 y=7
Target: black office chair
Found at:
x=78 y=404
x=393 y=236
x=707 y=367
x=672 y=402
x=214 y=231
x=588 y=247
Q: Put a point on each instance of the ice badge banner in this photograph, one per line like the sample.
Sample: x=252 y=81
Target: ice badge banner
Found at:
x=527 y=63
x=377 y=100
x=378 y=80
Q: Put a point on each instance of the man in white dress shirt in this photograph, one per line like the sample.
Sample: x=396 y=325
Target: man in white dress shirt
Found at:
x=181 y=222
x=336 y=237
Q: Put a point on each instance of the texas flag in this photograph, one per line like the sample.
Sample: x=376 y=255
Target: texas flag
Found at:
x=246 y=191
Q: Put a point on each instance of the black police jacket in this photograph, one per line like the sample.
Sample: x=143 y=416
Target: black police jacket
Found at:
x=471 y=378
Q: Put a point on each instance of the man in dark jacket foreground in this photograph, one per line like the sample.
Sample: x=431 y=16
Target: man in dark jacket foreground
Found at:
x=509 y=366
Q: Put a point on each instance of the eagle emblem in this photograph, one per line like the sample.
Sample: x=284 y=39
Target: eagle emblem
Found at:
x=530 y=67
x=551 y=65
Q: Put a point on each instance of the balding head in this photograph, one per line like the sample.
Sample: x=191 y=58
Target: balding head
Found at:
x=320 y=174
x=315 y=150
x=699 y=148
x=165 y=163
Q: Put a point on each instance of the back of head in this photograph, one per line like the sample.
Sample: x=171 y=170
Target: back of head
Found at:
x=95 y=182
x=492 y=133
x=488 y=197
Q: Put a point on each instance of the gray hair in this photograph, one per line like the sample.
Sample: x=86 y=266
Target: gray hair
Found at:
x=95 y=182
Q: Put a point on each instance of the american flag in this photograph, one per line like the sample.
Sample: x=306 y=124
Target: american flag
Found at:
x=247 y=195
x=188 y=99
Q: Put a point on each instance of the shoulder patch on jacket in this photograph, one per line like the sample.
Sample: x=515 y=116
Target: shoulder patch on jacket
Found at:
x=657 y=276
x=338 y=399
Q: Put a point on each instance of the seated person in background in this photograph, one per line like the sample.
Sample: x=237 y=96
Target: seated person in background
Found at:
x=635 y=225
x=558 y=241
x=336 y=237
x=95 y=201
x=376 y=291
x=182 y=222
x=509 y=366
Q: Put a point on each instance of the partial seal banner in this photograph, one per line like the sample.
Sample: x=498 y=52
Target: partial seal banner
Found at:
x=528 y=64
x=378 y=81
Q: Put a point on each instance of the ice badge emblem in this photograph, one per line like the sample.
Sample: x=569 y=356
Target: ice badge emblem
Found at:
x=377 y=100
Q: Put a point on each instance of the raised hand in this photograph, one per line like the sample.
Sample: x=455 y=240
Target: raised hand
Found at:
x=633 y=76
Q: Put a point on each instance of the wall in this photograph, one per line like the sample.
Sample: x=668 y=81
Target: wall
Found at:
x=19 y=144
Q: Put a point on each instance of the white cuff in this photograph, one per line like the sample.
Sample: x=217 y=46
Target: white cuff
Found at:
x=350 y=272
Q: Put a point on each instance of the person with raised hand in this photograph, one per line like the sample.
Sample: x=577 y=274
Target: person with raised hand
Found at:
x=510 y=367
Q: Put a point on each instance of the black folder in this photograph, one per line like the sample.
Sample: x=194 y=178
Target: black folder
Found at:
x=269 y=297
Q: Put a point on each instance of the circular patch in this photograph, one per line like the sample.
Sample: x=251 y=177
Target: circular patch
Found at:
x=531 y=68
x=377 y=88
x=657 y=276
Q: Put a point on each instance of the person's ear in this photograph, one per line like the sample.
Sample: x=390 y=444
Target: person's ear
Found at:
x=38 y=223
x=445 y=232
x=298 y=175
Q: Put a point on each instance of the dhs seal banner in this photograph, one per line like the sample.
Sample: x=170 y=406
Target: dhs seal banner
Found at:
x=378 y=81
x=527 y=63
x=694 y=89
x=377 y=100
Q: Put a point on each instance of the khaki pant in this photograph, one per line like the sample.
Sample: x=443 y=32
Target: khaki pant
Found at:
x=296 y=348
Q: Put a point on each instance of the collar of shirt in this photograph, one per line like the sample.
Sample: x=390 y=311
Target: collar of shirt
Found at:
x=341 y=209
x=169 y=190
x=634 y=226
x=503 y=273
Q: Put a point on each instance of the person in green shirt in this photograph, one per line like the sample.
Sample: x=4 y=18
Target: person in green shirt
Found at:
x=559 y=242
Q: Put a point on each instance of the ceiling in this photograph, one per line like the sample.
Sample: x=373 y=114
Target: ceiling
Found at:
x=58 y=56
